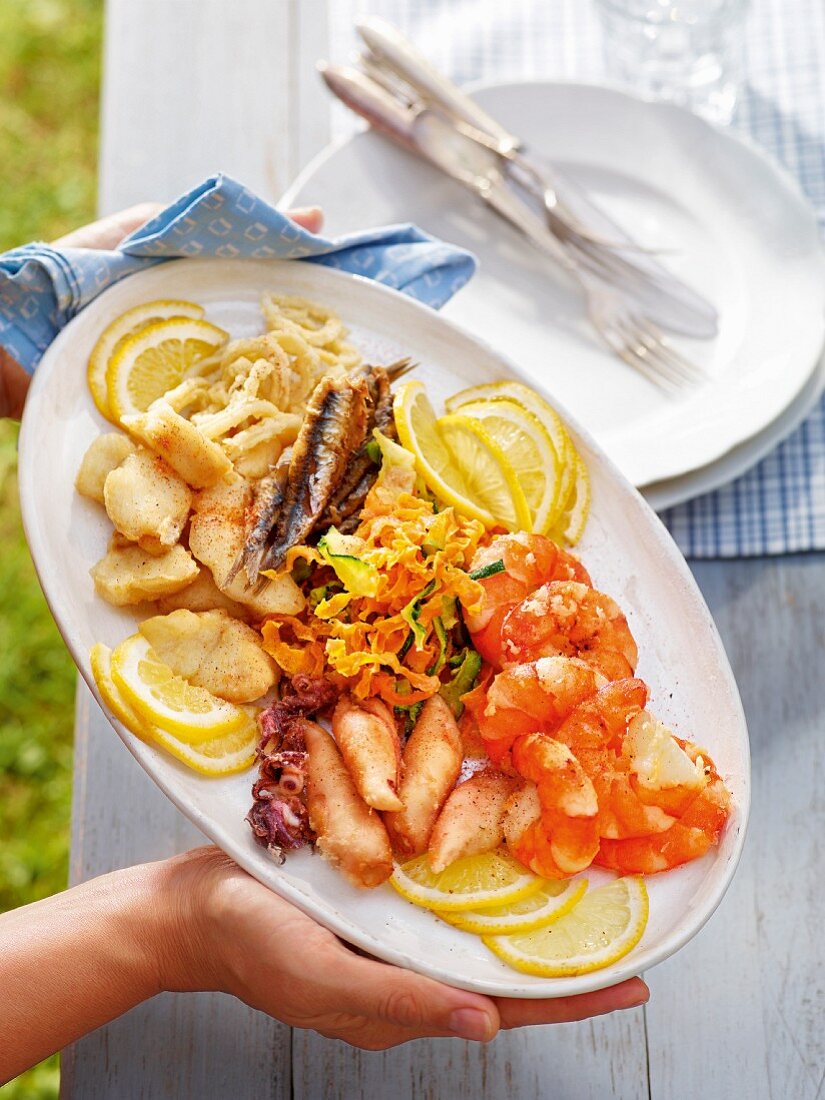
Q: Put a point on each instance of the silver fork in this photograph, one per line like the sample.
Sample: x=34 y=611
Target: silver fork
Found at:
x=630 y=335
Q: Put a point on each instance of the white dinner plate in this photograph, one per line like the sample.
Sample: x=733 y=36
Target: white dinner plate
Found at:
x=625 y=547
x=729 y=220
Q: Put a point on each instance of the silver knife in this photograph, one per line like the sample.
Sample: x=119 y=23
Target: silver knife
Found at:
x=665 y=298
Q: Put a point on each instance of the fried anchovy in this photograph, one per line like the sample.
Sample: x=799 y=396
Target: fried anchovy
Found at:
x=266 y=505
x=352 y=490
x=333 y=429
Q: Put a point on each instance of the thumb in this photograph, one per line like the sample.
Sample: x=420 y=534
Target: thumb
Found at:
x=392 y=995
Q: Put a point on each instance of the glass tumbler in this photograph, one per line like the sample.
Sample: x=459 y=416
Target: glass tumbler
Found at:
x=688 y=53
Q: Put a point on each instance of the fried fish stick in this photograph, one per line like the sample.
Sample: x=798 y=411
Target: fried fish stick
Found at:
x=368 y=741
x=472 y=820
x=431 y=765
x=350 y=835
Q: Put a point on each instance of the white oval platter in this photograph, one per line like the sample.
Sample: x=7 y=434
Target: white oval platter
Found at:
x=625 y=547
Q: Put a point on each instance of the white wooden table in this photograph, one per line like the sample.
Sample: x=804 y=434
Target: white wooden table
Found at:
x=738 y=1013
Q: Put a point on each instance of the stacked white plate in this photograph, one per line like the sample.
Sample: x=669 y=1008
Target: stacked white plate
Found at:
x=727 y=219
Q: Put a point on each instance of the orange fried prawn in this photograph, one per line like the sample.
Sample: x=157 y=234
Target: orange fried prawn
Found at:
x=689 y=837
x=563 y=836
x=530 y=698
x=529 y=561
x=574 y=620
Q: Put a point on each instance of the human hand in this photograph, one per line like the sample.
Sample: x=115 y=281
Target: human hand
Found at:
x=235 y=935
x=107 y=233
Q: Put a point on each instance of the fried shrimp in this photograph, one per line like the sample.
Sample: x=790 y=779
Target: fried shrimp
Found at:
x=532 y=697
x=564 y=838
x=368 y=741
x=574 y=620
x=529 y=561
x=690 y=837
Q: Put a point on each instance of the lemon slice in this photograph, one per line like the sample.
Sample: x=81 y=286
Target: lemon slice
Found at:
x=100 y=658
x=161 y=698
x=224 y=755
x=572 y=521
x=473 y=882
x=552 y=901
x=527 y=445
x=130 y=321
x=418 y=432
x=487 y=473
x=524 y=396
x=602 y=928
x=153 y=360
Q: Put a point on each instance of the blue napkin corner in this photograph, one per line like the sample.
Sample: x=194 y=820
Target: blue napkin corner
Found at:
x=42 y=288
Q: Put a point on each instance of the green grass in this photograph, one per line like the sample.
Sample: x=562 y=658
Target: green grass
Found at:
x=49 y=89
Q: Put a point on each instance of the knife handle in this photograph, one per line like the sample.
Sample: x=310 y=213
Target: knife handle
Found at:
x=389 y=45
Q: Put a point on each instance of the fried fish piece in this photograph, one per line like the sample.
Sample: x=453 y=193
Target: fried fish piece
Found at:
x=199 y=460
x=147 y=501
x=350 y=834
x=472 y=819
x=213 y=651
x=105 y=454
x=129 y=575
x=202 y=595
x=368 y=739
x=216 y=534
x=431 y=766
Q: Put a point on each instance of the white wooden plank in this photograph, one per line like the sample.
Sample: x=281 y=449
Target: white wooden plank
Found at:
x=192 y=87
x=587 y=1061
x=739 y=1011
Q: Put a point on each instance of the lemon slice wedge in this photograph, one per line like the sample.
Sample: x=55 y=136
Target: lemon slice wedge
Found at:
x=161 y=698
x=605 y=925
x=487 y=473
x=529 y=450
x=224 y=755
x=418 y=432
x=147 y=363
x=130 y=321
x=473 y=882
x=572 y=520
x=100 y=658
x=552 y=901
x=544 y=413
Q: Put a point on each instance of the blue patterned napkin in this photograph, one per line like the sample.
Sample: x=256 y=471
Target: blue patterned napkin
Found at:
x=43 y=288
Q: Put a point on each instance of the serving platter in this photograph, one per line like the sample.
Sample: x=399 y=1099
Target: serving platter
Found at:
x=625 y=547
x=676 y=183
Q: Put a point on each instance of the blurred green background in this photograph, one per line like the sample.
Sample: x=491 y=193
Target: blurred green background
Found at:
x=49 y=81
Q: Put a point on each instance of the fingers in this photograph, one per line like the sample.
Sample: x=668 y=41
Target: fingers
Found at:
x=108 y=232
x=560 y=1010
x=310 y=217
x=403 y=1000
x=14 y=385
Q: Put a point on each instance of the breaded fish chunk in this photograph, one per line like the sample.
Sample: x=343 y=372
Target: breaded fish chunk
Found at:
x=202 y=595
x=350 y=834
x=147 y=501
x=104 y=455
x=213 y=651
x=199 y=461
x=128 y=575
x=216 y=535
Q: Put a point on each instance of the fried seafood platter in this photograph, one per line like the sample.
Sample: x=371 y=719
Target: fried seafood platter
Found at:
x=392 y=633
